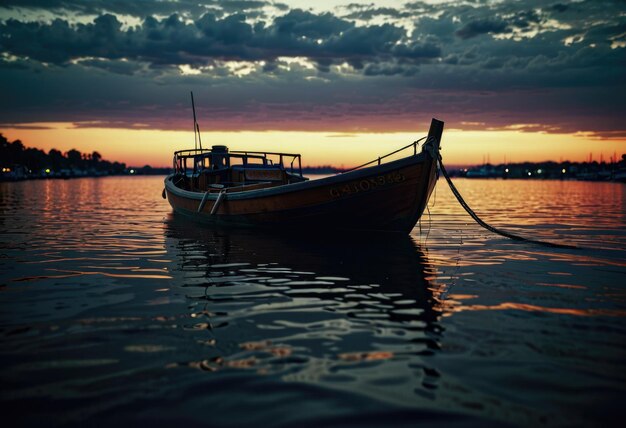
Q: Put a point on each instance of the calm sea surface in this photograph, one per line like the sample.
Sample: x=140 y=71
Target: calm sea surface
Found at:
x=112 y=310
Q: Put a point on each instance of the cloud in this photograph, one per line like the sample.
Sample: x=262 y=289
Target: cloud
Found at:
x=173 y=41
x=140 y=8
x=264 y=65
x=25 y=126
x=299 y=23
x=367 y=13
x=115 y=66
x=482 y=26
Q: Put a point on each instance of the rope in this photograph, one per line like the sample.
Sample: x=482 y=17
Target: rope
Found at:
x=489 y=227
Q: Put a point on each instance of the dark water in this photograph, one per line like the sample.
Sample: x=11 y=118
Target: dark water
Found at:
x=115 y=311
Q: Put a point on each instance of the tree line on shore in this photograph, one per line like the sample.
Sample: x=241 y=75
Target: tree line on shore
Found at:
x=17 y=159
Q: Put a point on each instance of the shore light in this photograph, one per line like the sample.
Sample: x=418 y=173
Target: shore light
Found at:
x=47 y=170
x=563 y=171
x=506 y=170
x=530 y=173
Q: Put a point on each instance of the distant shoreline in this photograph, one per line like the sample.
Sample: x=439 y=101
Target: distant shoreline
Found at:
x=454 y=173
x=18 y=163
x=18 y=174
x=580 y=171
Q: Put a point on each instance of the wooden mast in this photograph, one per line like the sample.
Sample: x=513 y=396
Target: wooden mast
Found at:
x=196 y=127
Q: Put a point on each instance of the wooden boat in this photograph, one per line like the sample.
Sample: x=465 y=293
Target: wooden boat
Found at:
x=264 y=189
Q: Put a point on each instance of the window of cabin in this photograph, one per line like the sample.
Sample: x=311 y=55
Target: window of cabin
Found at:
x=255 y=160
x=235 y=161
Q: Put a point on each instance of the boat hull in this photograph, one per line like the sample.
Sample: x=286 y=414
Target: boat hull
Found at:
x=389 y=197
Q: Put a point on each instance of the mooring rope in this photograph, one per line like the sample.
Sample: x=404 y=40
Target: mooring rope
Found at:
x=487 y=226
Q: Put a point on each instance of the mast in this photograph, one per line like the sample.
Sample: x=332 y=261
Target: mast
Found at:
x=196 y=128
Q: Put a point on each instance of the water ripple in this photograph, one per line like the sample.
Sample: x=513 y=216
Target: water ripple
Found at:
x=112 y=307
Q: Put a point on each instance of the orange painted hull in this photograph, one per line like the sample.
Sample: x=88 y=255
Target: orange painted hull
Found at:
x=390 y=197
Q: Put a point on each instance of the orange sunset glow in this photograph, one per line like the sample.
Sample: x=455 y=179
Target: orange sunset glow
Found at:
x=155 y=147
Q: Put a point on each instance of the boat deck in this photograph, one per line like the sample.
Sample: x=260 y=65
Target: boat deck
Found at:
x=217 y=169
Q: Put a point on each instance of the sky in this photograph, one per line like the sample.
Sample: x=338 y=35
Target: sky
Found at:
x=339 y=82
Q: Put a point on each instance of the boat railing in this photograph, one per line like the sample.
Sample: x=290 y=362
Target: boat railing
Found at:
x=294 y=159
x=378 y=160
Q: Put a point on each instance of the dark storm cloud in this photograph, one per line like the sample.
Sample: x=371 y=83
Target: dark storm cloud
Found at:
x=140 y=8
x=482 y=26
x=369 y=13
x=301 y=23
x=560 y=64
x=241 y=5
x=324 y=38
x=521 y=20
x=115 y=66
x=59 y=42
x=170 y=41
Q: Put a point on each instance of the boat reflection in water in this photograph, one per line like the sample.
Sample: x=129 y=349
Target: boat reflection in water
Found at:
x=352 y=313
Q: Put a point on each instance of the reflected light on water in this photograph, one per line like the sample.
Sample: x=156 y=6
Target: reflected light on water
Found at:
x=110 y=300
x=535 y=308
